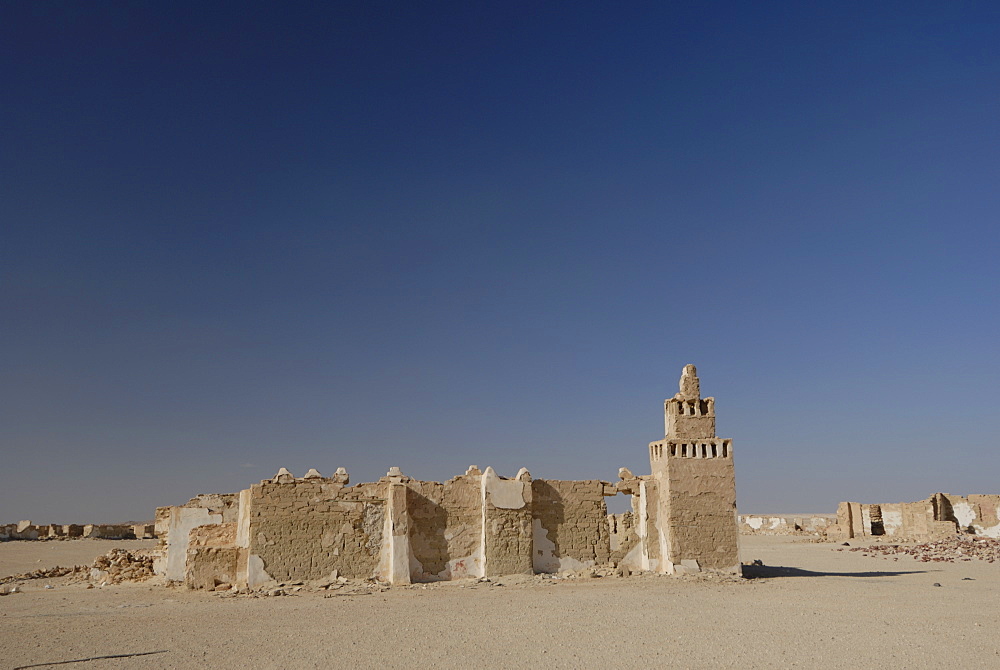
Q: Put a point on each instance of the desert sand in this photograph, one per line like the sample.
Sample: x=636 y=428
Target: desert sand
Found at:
x=808 y=606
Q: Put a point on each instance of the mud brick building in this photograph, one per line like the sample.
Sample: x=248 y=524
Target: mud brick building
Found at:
x=477 y=524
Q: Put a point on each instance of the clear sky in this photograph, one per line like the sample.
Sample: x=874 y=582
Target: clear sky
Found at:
x=239 y=236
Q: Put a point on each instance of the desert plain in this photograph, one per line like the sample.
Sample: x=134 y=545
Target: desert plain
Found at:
x=810 y=604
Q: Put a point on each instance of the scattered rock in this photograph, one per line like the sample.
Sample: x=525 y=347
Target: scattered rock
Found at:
x=48 y=573
x=958 y=548
x=120 y=565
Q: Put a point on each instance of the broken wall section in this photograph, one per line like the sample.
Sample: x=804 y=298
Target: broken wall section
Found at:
x=446 y=527
x=307 y=528
x=570 y=524
x=507 y=525
x=939 y=516
x=174 y=525
x=786 y=524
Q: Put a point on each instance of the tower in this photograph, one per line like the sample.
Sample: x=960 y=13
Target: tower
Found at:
x=696 y=483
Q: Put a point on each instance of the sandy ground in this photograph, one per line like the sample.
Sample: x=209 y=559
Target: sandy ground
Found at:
x=809 y=606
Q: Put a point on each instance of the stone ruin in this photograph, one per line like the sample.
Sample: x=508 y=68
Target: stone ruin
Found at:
x=938 y=517
x=786 y=524
x=478 y=524
x=25 y=530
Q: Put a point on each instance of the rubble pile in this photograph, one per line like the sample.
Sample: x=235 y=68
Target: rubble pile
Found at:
x=46 y=573
x=120 y=565
x=958 y=548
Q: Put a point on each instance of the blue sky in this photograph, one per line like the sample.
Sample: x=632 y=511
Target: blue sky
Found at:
x=237 y=237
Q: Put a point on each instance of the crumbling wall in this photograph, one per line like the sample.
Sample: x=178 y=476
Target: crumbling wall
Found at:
x=978 y=513
x=624 y=535
x=212 y=557
x=174 y=526
x=774 y=524
x=569 y=524
x=306 y=529
x=507 y=525
x=109 y=532
x=937 y=517
x=446 y=526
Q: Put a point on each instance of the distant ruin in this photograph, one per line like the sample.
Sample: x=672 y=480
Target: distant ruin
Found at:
x=26 y=530
x=940 y=516
x=478 y=524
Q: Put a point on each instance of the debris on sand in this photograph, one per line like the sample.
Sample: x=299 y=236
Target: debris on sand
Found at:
x=120 y=565
x=958 y=548
x=114 y=567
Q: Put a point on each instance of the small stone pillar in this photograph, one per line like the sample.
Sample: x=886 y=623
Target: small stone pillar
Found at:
x=397 y=536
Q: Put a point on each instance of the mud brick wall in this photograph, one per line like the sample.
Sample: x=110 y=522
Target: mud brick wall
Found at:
x=446 y=523
x=507 y=524
x=217 y=535
x=208 y=567
x=574 y=518
x=701 y=512
x=508 y=541
x=307 y=529
x=624 y=535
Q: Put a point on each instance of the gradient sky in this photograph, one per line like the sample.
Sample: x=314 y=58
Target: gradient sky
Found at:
x=242 y=236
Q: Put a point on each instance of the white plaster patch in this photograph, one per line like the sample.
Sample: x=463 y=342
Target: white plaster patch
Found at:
x=460 y=568
x=866 y=520
x=544 y=558
x=964 y=514
x=633 y=559
x=504 y=493
x=180 y=524
x=243 y=520
x=892 y=521
x=755 y=522
x=256 y=574
x=994 y=531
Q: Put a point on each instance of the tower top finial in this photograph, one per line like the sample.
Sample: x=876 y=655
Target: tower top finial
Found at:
x=690 y=388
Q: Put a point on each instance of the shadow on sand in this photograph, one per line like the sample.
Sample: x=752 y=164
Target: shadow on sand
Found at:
x=770 y=571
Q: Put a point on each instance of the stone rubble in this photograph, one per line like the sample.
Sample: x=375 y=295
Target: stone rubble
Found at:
x=958 y=548
x=120 y=565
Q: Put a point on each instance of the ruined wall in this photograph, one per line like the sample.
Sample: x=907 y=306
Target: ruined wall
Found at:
x=785 y=524
x=977 y=513
x=174 y=526
x=306 y=529
x=569 y=524
x=477 y=524
x=26 y=530
x=624 y=535
x=446 y=527
x=212 y=557
x=939 y=516
x=507 y=534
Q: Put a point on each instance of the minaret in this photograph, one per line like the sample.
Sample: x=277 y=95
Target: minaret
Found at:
x=696 y=484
